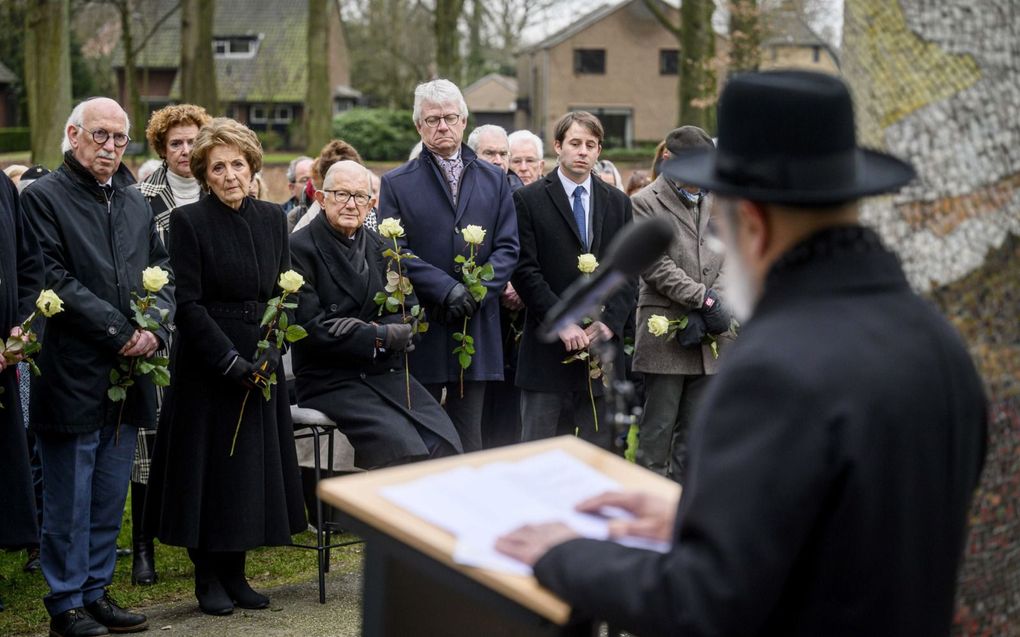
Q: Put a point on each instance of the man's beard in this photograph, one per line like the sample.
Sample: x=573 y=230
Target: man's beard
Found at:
x=740 y=291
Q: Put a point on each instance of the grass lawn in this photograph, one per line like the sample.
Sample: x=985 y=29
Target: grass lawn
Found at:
x=267 y=567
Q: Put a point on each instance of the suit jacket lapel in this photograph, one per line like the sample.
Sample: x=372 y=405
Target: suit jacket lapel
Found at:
x=670 y=200
x=554 y=189
x=466 y=186
x=430 y=163
x=599 y=204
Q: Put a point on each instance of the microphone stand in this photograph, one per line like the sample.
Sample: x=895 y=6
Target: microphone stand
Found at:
x=622 y=407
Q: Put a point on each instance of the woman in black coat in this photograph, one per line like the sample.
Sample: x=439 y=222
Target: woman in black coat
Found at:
x=351 y=366
x=231 y=251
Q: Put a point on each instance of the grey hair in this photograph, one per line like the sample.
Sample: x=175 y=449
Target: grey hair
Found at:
x=475 y=136
x=527 y=136
x=340 y=165
x=437 y=92
x=77 y=118
x=292 y=167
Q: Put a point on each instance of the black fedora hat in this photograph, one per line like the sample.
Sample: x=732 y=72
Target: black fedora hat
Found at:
x=788 y=137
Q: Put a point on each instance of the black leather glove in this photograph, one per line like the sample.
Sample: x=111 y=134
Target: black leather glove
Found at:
x=459 y=303
x=717 y=316
x=690 y=337
x=398 y=336
x=267 y=363
x=343 y=326
x=241 y=372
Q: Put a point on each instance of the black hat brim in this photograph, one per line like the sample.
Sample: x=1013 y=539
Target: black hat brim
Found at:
x=876 y=173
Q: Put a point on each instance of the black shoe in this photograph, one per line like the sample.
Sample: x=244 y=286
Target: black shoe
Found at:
x=143 y=564
x=212 y=599
x=76 y=623
x=32 y=561
x=231 y=574
x=116 y=619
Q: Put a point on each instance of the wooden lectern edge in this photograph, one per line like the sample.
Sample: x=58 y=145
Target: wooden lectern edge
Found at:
x=359 y=496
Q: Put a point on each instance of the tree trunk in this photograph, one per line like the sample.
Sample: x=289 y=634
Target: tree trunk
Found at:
x=132 y=95
x=198 y=68
x=745 y=36
x=476 y=54
x=696 y=86
x=318 y=106
x=47 y=77
x=448 y=39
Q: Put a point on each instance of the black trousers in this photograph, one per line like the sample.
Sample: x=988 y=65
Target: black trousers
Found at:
x=466 y=412
x=545 y=414
x=670 y=403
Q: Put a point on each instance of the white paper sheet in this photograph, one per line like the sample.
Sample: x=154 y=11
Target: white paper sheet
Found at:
x=478 y=505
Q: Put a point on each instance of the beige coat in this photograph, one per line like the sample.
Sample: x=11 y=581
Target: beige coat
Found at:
x=676 y=283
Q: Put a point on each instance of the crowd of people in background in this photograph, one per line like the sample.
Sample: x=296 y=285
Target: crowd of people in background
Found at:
x=410 y=307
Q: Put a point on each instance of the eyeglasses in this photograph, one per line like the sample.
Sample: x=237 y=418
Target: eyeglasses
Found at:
x=492 y=154
x=517 y=161
x=99 y=136
x=342 y=197
x=450 y=119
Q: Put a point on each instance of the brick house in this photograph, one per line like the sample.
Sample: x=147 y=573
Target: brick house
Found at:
x=492 y=100
x=259 y=47
x=617 y=62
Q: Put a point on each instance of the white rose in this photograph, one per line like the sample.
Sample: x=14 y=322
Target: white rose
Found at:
x=474 y=235
x=587 y=263
x=658 y=325
x=48 y=303
x=391 y=228
x=291 y=281
x=153 y=279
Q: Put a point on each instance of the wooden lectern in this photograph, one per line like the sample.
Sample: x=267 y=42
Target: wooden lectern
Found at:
x=413 y=588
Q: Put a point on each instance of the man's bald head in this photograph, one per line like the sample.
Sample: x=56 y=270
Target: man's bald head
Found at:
x=350 y=173
x=92 y=120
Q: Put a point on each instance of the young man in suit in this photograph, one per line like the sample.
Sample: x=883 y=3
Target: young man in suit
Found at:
x=567 y=214
x=835 y=456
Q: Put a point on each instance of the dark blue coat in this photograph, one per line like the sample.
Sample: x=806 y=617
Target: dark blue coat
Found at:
x=417 y=194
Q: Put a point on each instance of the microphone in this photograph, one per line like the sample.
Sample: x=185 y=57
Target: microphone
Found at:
x=631 y=252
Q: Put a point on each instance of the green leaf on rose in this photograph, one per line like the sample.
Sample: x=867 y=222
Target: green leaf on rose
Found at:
x=116 y=393
x=270 y=313
x=160 y=376
x=295 y=333
x=464 y=359
x=284 y=321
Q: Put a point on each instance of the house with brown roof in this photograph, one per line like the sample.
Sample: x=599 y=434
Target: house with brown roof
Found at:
x=492 y=99
x=259 y=50
x=617 y=62
x=790 y=42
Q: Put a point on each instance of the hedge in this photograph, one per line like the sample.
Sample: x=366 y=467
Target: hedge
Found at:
x=378 y=134
x=14 y=140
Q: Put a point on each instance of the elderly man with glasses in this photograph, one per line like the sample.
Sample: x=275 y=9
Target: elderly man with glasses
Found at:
x=436 y=196
x=351 y=365
x=96 y=234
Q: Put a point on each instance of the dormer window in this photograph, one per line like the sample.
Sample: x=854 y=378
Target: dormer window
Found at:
x=239 y=47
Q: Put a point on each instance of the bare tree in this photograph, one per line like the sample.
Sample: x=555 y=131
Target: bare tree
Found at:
x=47 y=76
x=198 y=68
x=745 y=35
x=696 y=84
x=445 y=26
x=318 y=105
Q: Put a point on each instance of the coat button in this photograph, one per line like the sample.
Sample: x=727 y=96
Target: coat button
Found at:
x=334 y=307
x=456 y=267
x=705 y=271
x=111 y=330
x=702 y=242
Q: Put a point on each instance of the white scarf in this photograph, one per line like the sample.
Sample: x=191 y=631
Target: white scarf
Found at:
x=185 y=189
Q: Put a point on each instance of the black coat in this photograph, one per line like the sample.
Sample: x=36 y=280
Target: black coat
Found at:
x=21 y=278
x=200 y=496
x=360 y=389
x=94 y=252
x=550 y=245
x=832 y=466
x=418 y=195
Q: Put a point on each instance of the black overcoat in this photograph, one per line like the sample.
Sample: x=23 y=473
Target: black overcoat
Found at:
x=832 y=466
x=21 y=278
x=550 y=245
x=200 y=496
x=94 y=249
x=345 y=377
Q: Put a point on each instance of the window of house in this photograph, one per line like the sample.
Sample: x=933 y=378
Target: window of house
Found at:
x=590 y=61
x=669 y=62
x=258 y=114
x=236 y=47
x=283 y=114
x=816 y=54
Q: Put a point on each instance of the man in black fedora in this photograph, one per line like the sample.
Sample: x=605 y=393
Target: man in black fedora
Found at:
x=833 y=462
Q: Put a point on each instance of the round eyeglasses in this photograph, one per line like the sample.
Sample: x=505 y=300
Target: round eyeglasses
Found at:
x=100 y=136
x=342 y=197
x=450 y=119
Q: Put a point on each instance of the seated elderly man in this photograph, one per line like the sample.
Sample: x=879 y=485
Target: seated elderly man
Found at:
x=351 y=365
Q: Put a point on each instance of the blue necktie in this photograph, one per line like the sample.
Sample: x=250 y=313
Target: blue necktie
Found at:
x=579 y=215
